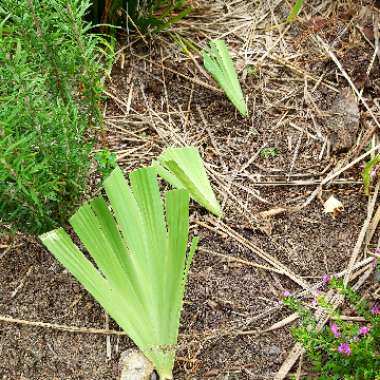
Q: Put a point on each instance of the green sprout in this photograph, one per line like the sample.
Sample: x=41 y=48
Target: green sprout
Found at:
x=268 y=153
x=251 y=70
x=217 y=61
x=370 y=172
x=296 y=9
x=183 y=168
x=139 y=245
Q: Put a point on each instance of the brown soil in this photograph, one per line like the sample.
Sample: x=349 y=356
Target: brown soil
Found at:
x=229 y=303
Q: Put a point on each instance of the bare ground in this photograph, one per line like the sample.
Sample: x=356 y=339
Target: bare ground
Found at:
x=300 y=80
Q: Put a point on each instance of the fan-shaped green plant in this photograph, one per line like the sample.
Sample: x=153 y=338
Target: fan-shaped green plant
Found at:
x=218 y=63
x=139 y=247
x=183 y=168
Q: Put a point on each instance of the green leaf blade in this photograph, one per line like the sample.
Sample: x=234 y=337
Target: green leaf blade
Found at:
x=218 y=63
x=296 y=9
x=177 y=211
x=187 y=166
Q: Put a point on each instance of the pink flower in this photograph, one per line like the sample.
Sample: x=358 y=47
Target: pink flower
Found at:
x=286 y=293
x=375 y=310
x=364 y=330
x=344 y=348
x=335 y=330
x=326 y=279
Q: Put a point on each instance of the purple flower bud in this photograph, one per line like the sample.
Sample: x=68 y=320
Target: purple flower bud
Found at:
x=286 y=293
x=344 y=348
x=326 y=279
x=335 y=330
x=364 y=330
x=373 y=173
x=374 y=263
x=375 y=310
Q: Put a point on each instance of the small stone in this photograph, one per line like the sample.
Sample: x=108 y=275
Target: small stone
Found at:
x=274 y=350
x=344 y=124
x=135 y=366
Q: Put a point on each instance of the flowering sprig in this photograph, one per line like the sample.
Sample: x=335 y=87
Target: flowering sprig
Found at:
x=344 y=349
x=335 y=330
x=375 y=310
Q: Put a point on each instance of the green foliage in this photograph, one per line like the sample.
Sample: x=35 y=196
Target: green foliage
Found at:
x=183 y=168
x=296 y=9
x=217 y=61
x=148 y=15
x=268 y=153
x=139 y=248
x=370 y=172
x=50 y=92
x=107 y=161
x=345 y=349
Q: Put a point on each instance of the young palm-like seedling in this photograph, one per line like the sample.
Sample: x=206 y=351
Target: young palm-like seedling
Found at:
x=139 y=247
x=218 y=63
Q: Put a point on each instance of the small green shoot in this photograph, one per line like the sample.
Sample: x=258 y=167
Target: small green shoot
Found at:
x=183 y=168
x=251 y=70
x=296 y=9
x=370 y=172
x=217 y=61
x=139 y=246
x=268 y=153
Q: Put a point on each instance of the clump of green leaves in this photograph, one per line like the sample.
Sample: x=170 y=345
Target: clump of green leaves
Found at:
x=344 y=349
x=148 y=15
x=217 y=61
x=268 y=153
x=106 y=162
x=139 y=245
x=50 y=89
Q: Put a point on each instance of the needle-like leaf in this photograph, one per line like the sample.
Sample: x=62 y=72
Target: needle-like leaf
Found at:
x=139 y=249
x=218 y=63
